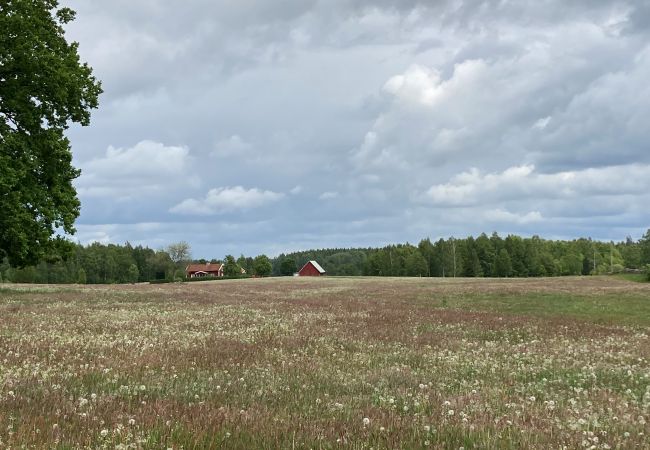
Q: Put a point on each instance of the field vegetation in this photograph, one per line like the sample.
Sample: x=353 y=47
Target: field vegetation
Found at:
x=327 y=363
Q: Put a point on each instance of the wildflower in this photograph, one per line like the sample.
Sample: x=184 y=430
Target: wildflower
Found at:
x=366 y=421
x=427 y=443
x=131 y=421
x=103 y=433
x=450 y=412
x=427 y=428
x=382 y=429
x=143 y=387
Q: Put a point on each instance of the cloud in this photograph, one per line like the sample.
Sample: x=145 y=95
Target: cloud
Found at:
x=233 y=146
x=328 y=195
x=226 y=199
x=416 y=94
x=524 y=183
x=503 y=216
x=147 y=167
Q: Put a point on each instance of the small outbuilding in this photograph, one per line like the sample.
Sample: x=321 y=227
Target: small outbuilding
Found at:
x=311 y=269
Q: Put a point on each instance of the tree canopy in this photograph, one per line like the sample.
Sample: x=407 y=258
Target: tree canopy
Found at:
x=44 y=87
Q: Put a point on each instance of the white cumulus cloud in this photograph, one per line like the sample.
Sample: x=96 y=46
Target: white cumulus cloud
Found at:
x=226 y=199
x=147 y=167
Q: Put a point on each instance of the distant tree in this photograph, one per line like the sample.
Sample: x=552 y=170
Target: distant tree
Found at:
x=179 y=252
x=486 y=254
x=644 y=243
x=416 y=265
x=230 y=267
x=134 y=274
x=288 y=266
x=262 y=266
x=503 y=264
x=81 y=276
x=428 y=251
x=647 y=271
x=472 y=265
x=571 y=264
x=44 y=87
x=242 y=262
x=631 y=253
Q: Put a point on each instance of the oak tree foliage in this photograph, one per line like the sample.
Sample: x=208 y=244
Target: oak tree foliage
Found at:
x=44 y=87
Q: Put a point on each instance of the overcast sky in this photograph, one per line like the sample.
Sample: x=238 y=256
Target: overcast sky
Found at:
x=257 y=126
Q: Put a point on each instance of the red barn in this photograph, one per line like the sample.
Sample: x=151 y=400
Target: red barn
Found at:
x=204 y=270
x=311 y=269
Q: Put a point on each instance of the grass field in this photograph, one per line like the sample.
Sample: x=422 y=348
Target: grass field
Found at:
x=327 y=363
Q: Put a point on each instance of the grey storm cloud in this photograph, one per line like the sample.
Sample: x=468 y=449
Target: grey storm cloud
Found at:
x=258 y=126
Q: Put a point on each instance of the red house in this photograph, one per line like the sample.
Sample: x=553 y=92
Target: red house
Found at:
x=204 y=270
x=311 y=269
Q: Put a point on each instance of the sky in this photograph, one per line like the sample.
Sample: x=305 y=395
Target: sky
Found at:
x=266 y=127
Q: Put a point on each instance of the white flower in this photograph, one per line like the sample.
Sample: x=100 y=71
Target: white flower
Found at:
x=427 y=428
x=143 y=387
x=450 y=412
x=103 y=433
x=131 y=421
x=366 y=421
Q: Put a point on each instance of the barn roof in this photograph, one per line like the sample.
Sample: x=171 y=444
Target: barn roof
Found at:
x=203 y=267
x=317 y=266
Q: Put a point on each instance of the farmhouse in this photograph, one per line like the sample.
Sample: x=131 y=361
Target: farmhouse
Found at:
x=204 y=270
x=311 y=269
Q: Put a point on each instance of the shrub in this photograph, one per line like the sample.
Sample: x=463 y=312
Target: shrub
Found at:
x=647 y=271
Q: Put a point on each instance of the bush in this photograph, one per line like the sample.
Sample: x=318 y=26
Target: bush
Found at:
x=647 y=271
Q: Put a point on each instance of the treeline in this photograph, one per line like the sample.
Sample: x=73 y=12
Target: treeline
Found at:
x=97 y=264
x=484 y=256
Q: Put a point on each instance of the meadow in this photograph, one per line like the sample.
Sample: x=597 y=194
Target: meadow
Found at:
x=354 y=363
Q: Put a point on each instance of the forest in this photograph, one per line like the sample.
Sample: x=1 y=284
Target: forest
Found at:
x=483 y=256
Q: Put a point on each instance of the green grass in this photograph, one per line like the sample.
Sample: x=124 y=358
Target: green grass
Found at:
x=635 y=277
x=623 y=309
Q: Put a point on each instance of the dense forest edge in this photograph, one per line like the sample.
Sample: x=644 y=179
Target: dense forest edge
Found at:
x=483 y=256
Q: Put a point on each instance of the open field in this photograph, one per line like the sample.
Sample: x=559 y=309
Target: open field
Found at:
x=327 y=363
